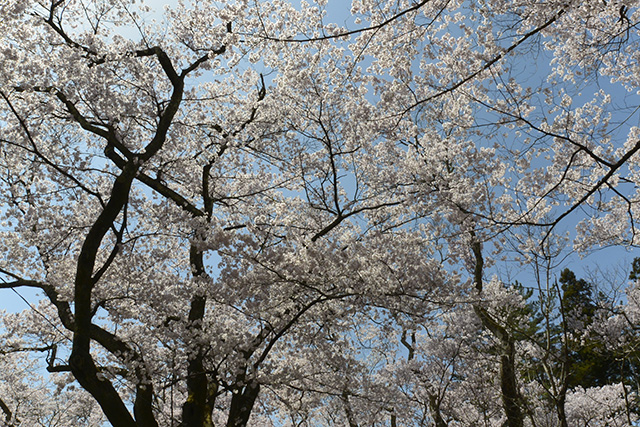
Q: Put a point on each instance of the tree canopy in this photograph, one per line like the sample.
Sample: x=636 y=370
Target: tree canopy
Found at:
x=297 y=214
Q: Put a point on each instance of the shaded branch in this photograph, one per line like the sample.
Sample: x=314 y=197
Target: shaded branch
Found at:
x=8 y=415
x=341 y=217
x=486 y=65
x=352 y=32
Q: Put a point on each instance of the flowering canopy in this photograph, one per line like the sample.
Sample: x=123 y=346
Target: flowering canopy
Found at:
x=243 y=213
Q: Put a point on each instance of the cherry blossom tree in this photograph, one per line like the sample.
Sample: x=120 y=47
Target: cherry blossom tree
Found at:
x=242 y=213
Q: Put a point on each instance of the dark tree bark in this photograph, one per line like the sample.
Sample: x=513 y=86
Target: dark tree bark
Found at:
x=511 y=398
x=242 y=404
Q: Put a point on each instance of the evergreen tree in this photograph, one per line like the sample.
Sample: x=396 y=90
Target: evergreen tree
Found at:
x=635 y=269
x=591 y=363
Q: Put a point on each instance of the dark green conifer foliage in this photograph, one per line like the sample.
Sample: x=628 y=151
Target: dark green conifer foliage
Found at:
x=591 y=362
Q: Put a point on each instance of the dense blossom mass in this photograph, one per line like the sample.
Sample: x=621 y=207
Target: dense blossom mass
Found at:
x=267 y=213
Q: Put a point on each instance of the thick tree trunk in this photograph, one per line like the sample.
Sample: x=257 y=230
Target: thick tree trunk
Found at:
x=562 y=416
x=86 y=373
x=80 y=360
x=511 y=398
x=8 y=419
x=347 y=408
x=508 y=383
x=242 y=405
x=194 y=410
x=434 y=408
